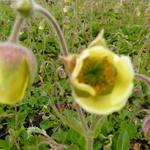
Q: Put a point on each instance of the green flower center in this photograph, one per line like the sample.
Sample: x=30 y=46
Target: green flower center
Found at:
x=98 y=73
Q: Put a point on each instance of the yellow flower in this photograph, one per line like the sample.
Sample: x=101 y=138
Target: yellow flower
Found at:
x=102 y=81
x=17 y=69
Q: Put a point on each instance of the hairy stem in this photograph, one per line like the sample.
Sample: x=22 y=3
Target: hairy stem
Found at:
x=16 y=29
x=89 y=141
x=144 y=79
x=88 y=132
x=56 y=27
x=16 y=117
x=52 y=143
x=82 y=118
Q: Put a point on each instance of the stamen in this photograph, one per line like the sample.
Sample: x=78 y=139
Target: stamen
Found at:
x=98 y=73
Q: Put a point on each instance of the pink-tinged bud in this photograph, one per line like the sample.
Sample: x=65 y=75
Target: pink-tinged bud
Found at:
x=70 y=61
x=146 y=127
x=17 y=70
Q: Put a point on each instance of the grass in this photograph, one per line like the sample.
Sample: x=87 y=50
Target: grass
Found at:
x=126 y=32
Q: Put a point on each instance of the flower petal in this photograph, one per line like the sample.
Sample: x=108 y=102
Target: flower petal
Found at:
x=13 y=87
x=124 y=82
x=99 y=105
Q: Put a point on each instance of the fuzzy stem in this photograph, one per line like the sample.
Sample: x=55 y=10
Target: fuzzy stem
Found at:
x=89 y=143
x=56 y=27
x=88 y=132
x=144 y=79
x=82 y=118
x=16 y=117
x=51 y=142
x=16 y=29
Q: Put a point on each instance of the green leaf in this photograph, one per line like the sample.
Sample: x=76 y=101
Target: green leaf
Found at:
x=104 y=127
x=4 y=144
x=73 y=122
x=130 y=127
x=75 y=138
x=60 y=136
x=45 y=124
x=123 y=140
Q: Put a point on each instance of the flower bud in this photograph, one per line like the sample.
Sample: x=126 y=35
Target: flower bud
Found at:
x=69 y=61
x=17 y=70
x=146 y=127
x=24 y=7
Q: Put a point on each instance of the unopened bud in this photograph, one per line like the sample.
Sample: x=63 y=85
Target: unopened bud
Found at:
x=24 y=7
x=146 y=127
x=70 y=62
x=17 y=70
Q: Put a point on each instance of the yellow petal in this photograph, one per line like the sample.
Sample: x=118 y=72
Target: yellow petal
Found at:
x=99 y=41
x=13 y=87
x=81 y=86
x=124 y=81
x=99 y=51
x=102 y=104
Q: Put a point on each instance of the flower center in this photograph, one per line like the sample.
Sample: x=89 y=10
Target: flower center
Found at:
x=98 y=73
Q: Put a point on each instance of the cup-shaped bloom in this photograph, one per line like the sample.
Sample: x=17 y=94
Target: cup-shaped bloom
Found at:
x=101 y=80
x=17 y=69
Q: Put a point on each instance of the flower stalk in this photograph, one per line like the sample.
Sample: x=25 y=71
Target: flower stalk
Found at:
x=82 y=118
x=14 y=36
x=56 y=27
x=143 y=78
x=89 y=142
